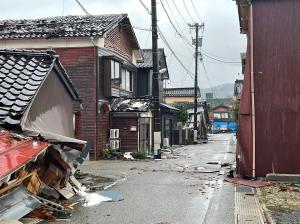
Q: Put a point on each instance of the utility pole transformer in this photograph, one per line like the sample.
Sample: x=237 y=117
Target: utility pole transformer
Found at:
x=198 y=43
x=155 y=82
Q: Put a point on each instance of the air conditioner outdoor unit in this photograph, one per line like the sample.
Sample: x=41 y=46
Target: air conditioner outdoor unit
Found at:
x=114 y=144
x=114 y=133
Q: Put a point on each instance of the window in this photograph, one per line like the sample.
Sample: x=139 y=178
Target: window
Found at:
x=115 y=73
x=217 y=115
x=115 y=70
x=224 y=115
x=123 y=78
x=126 y=80
x=221 y=115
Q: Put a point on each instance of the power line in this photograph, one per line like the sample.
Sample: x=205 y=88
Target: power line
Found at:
x=174 y=54
x=182 y=17
x=145 y=7
x=142 y=28
x=220 y=60
x=208 y=79
x=169 y=47
x=220 y=56
x=205 y=53
x=174 y=27
x=196 y=10
x=173 y=15
x=82 y=7
x=188 y=11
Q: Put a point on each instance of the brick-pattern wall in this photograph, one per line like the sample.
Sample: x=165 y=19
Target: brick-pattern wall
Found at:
x=80 y=64
x=129 y=139
x=118 y=39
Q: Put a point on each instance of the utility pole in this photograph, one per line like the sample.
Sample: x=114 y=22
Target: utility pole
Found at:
x=155 y=82
x=197 y=43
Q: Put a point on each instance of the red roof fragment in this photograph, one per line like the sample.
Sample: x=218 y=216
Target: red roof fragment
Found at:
x=16 y=152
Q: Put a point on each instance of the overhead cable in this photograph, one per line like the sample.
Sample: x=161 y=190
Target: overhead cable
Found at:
x=196 y=11
x=182 y=17
x=82 y=7
x=188 y=11
x=174 y=27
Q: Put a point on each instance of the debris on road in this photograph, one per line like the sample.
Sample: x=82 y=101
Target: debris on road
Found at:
x=213 y=163
x=113 y=195
x=128 y=156
x=250 y=183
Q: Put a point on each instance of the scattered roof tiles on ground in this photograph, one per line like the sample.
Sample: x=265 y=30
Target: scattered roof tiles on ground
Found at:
x=60 y=26
x=21 y=75
x=180 y=92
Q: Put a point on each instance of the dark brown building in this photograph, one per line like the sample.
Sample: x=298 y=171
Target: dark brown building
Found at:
x=133 y=119
x=98 y=52
x=268 y=137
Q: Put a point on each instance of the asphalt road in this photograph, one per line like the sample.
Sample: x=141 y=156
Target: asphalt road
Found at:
x=184 y=190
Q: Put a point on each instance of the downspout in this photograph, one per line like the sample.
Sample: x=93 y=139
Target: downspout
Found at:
x=96 y=70
x=138 y=129
x=252 y=94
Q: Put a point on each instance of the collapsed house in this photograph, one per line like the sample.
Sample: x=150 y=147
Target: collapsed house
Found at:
x=38 y=150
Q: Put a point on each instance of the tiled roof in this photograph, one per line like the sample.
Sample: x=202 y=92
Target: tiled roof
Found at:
x=21 y=75
x=180 y=92
x=168 y=107
x=147 y=63
x=215 y=102
x=61 y=26
x=131 y=105
x=147 y=55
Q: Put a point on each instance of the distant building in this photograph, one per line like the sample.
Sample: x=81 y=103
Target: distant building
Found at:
x=209 y=95
x=180 y=95
x=215 y=102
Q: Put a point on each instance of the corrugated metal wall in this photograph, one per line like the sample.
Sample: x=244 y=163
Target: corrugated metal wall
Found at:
x=277 y=85
x=244 y=144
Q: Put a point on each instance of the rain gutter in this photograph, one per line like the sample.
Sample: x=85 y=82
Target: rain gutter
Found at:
x=252 y=94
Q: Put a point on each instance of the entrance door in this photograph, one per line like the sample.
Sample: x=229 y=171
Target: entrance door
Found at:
x=145 y=135
x=168 y=130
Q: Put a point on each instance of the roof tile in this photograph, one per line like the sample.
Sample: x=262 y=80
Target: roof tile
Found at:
x=61 y=26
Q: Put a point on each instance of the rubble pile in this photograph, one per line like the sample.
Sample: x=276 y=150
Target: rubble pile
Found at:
x=35 y=181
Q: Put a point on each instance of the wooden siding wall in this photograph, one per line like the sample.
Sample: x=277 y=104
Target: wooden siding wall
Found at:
x=277 y=85
x=129 y=139
x=80 y=64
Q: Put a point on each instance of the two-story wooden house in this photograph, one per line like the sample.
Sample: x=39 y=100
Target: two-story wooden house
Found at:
x=99 y=53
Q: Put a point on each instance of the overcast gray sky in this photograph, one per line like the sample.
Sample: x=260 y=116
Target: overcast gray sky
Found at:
x=221 y=37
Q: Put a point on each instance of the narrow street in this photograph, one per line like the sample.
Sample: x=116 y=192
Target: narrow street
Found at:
x=181 y=190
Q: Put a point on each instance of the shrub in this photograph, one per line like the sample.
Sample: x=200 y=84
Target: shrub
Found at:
x=139 y=155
